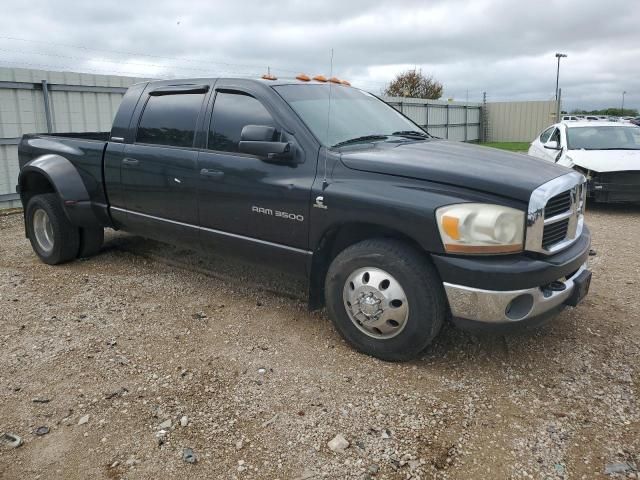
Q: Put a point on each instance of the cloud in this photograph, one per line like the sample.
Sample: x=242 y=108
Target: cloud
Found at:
x=503 y=47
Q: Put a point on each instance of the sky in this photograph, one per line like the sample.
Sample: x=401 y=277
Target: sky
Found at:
x=504 y=48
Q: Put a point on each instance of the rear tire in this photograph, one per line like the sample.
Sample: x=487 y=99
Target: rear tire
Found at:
x=54 y=239
x=385 y=298
x=91 y=240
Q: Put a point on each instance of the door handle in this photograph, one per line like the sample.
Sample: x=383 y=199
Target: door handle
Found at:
x=211 y=173
x=130 y=161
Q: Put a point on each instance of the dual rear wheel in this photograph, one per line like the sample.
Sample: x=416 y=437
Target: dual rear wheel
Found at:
x=53 y=237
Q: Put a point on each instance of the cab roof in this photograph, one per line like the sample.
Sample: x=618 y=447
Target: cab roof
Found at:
x=279 y=81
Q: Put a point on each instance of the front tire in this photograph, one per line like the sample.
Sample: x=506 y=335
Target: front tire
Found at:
x=385 y=298
x=54 y=239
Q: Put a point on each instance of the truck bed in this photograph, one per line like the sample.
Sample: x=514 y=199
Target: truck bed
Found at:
x=83 y=150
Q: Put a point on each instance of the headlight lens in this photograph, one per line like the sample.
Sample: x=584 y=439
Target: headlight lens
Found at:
x=481 y=228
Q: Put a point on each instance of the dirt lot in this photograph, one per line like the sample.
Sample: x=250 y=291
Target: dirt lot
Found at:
x=103 y=351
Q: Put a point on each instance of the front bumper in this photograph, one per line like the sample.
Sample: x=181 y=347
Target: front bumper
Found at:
x=512 y=289
x=495 y=306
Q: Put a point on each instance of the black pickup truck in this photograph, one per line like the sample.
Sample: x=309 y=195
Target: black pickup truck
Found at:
x=395 y=230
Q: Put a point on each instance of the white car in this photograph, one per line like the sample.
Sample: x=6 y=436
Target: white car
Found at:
x=607 y=153
x=569 y=118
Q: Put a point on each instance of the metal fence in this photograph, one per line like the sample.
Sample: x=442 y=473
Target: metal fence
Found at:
x=518 y=121
x=451 y=120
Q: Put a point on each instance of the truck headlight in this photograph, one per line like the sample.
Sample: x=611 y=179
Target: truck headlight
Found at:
x=480 y=228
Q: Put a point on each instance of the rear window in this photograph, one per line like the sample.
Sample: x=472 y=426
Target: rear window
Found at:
x=170 y=120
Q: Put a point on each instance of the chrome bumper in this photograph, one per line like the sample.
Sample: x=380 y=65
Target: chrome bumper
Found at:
x=492 y=306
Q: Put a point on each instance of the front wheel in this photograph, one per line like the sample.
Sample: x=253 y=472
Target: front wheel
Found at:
x=54 y=239
x=385 y=298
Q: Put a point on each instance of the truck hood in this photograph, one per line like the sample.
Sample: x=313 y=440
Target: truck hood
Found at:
x=485 y=169
x=606 y=160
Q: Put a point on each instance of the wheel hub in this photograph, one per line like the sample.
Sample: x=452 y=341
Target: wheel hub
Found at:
x=43 y=230
x=376 y=302
x=369 y=304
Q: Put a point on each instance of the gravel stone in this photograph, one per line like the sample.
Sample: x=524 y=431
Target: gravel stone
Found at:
x=338 y=443
x=189 y=456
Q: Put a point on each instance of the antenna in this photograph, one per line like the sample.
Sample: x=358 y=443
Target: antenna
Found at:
x=326 y=148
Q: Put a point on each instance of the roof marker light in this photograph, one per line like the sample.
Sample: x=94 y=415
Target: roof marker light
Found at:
x=304 y=77
x=268 y=76
x=344 y=82
x=320 y=78
x=335 y=80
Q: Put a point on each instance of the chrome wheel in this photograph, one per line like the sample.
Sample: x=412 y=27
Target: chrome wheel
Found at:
x=375 y=302
x=43 y=230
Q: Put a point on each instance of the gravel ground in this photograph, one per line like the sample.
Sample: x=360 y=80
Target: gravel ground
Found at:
x=145 y=350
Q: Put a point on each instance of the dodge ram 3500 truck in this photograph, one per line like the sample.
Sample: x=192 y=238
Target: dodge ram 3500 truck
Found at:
x=395 y=230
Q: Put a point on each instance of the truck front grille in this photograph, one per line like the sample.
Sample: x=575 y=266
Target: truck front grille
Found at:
x=558 y=204
x=556 y=214
x=554 y=233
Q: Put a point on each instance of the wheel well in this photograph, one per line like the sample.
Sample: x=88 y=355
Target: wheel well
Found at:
x=336 y=240
x=34 y=184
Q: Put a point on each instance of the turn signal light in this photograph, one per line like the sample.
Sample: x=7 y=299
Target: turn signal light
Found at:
x=320 y=78
x=450 y=226
x=303 y=77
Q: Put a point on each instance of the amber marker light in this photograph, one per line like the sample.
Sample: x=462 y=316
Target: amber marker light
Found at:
x=320 y=78
x=450 y=227
x=304 y=77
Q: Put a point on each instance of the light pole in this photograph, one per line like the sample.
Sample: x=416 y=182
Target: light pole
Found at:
x=558 y=56
x=622 y=107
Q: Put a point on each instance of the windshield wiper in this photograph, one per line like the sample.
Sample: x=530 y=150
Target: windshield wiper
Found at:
x=411 y=133
x=364 y=138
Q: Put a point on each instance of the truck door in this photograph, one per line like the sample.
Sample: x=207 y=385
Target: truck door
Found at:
x=159 y=169
x=244 y=200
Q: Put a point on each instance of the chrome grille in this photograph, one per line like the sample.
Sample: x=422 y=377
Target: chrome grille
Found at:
x=554 y=233
x=558 y=204
x=556 y=214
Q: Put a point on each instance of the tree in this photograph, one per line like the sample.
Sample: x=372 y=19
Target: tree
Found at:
x=611 y=111
x=413 y=83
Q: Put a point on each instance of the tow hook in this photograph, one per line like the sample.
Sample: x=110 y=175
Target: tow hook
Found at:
x=555 y=286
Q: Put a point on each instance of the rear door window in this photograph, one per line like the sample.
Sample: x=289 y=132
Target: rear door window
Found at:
x=170 y=120
x=232 y=111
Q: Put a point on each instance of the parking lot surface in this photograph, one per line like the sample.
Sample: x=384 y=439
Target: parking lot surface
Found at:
x=145 y=350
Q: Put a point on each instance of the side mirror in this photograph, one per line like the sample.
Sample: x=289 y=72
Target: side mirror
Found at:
x=258 y=140
x=552 y=145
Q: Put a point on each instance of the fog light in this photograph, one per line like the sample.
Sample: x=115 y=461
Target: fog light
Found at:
x=519 y=307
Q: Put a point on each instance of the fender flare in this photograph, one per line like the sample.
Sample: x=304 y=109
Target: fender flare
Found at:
x=67 y=183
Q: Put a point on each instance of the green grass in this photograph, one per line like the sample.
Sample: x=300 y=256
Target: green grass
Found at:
x=511 y=146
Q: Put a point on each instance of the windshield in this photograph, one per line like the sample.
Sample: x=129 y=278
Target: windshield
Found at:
x=354 y=113
x=603 y=138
